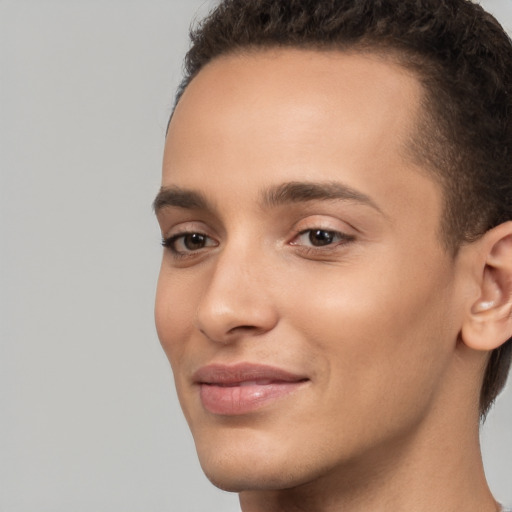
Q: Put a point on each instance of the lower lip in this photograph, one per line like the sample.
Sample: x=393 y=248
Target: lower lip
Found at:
x=235 y=400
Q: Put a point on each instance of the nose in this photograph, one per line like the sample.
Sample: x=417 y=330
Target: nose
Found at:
x=237 y=299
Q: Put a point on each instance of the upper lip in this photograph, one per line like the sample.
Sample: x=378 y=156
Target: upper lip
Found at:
x=221 y=374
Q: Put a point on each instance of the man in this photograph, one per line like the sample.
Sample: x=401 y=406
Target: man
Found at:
x=335 y=296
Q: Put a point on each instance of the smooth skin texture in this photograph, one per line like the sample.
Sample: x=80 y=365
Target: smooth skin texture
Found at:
x=351 y=288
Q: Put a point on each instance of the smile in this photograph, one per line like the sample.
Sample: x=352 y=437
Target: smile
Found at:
x=243 y=388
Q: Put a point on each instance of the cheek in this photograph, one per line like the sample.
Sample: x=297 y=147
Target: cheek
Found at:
x=174 y=313
x=381 y=340
x=175 y=307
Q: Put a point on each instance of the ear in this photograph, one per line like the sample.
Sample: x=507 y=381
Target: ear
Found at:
x=488 y=324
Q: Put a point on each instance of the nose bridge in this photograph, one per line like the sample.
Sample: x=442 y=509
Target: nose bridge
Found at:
x=237 y=298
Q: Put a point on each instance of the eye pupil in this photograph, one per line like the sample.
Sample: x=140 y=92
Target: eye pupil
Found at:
x=194 y=241
x=319 y=237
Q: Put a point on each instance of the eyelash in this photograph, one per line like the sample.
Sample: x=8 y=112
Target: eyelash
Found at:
x=342 y=239
x=169 y=243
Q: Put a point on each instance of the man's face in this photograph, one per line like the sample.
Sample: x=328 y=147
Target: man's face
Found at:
x=305 y=301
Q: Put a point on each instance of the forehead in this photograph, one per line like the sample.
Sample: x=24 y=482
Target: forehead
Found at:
x=263 y=117
x=296 y=95
x=302 y=83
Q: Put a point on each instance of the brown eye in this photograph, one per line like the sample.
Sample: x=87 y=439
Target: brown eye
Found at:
x=194 y=241
x=184 y=243
x=321 y=237
x=318 y=238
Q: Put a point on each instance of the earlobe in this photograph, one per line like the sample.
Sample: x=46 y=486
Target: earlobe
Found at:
x=489 y=322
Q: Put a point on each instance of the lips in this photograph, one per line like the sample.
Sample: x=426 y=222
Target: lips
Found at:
x=244 y=388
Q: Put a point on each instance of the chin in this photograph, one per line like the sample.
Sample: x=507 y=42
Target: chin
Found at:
x=237 y=470
x=239 y=477
x=250 y=465
x=231 y=482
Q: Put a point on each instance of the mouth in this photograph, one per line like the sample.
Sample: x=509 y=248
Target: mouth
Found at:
x=244 y=388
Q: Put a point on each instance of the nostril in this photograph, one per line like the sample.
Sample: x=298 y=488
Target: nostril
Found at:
x=245 y=328
x=219 y=335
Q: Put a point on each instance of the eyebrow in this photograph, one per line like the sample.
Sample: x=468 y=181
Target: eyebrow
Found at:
x=285 y=193
x=297 y=192
x=181 y=198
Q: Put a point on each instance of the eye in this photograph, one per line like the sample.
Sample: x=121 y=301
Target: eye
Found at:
x=184 y=243
x=320 y=238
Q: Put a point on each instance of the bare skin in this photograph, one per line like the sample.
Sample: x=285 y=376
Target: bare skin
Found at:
x=301 y=236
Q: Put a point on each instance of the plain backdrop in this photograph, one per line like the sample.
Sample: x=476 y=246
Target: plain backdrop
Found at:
x=89 y=421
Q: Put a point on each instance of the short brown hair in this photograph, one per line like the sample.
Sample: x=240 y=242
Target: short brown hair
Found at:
x=460 y=54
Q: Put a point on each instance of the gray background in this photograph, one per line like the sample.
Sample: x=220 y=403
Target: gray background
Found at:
x=88 y=417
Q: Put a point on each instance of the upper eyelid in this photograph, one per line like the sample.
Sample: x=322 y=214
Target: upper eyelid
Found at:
x=169 y=217
x=329 y=230
x=310 y=222
x=184 y=227
x=322 y=223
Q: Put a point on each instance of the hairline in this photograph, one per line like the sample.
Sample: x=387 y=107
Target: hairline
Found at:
x=414 y=147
